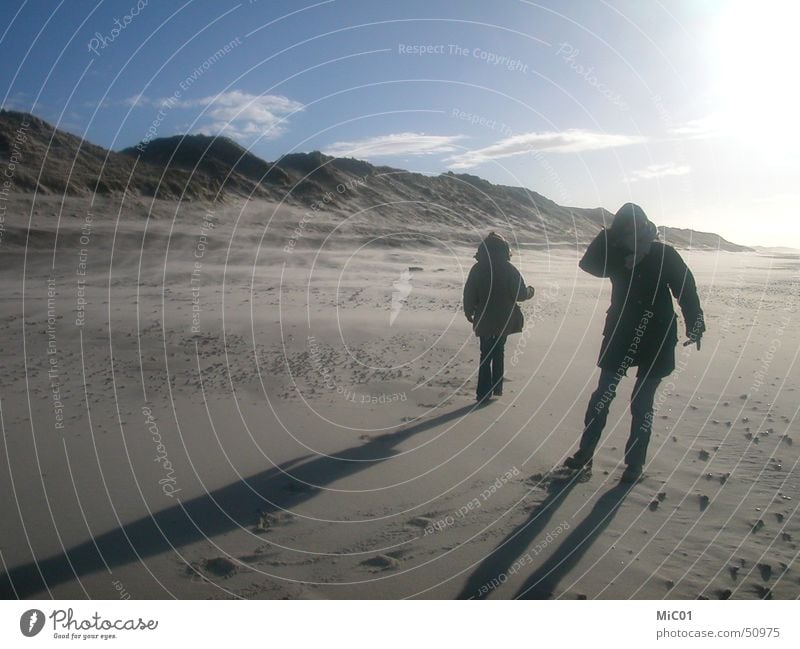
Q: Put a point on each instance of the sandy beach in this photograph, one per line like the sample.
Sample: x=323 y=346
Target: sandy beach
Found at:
x=215 y=402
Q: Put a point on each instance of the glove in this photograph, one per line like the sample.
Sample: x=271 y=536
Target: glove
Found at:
x=531 y=292
x=696 y=329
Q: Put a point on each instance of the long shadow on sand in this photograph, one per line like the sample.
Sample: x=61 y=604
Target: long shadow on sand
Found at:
x=544 y=580
x=495 y=568
x=222 y=510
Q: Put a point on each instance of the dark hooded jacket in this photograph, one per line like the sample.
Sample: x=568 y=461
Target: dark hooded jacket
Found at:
x=641 y=327
x=493 y=288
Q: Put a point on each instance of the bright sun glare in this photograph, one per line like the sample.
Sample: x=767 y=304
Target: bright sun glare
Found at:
x=755 y=46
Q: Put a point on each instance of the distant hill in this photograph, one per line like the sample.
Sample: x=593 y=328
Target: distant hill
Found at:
x=777 y=250
x=57 y=162
x=218 y=157
x=201 y=167
x=683 y=238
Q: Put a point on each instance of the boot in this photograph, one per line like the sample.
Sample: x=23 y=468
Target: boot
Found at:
x=578 y=462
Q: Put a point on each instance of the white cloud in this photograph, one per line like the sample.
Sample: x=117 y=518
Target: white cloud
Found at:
x=237 y=114
x=702 y=127
x=394 y=144
x=243 y=116
x=569 y=141
x=658 y=171
x=23 y=102
x=136 y=100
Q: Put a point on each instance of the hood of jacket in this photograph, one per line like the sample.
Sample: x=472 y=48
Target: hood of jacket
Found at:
x=494 y=248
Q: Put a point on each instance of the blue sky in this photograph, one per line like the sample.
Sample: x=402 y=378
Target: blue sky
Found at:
x=685 y=107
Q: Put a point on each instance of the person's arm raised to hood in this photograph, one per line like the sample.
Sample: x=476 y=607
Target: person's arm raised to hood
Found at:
x=602 y=258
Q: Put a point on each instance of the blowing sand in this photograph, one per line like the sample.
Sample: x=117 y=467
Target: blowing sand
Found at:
x=191 y=409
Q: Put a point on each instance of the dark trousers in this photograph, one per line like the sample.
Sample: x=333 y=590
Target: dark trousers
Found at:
x=642 y=398
x=490 y=371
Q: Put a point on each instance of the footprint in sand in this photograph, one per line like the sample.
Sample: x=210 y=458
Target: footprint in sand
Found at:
x=535 y=479
x=421 y=521
x=219 y=567
x=381 y=562
x=269 y=520
x=763 y=592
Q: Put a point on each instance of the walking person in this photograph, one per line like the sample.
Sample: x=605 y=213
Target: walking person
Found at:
x=640 y=329
x=492 y=290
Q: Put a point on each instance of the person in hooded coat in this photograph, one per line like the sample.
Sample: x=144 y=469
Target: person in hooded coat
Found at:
x=491 y=292
x=640 y=328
